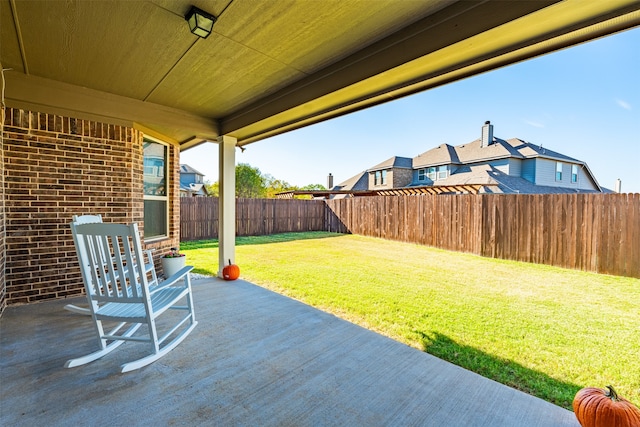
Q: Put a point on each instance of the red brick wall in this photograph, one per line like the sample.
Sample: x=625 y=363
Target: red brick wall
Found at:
x=55 y=167
x=3 y=286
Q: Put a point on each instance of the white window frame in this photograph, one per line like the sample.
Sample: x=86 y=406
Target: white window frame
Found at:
x=574 y=174
x=166 y=198
x=380 y=177
x=558 y=171
x=443 y=172
x=422 y=174
x=431 y=173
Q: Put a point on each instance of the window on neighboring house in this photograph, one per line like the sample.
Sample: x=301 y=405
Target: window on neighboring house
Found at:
x=380 y=177
x=442 y=172
x=431 y=173
x=574 y=173
x=558 y=171
x=156 y=200
x=422 y=174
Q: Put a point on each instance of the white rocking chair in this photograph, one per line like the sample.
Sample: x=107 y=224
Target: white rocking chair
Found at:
x=121 y=289
x=92 y=219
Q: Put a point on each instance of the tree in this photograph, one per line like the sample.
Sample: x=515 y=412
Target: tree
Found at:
x=212 y=189
x=275 y=186
x=250 y=184
x=314 y=187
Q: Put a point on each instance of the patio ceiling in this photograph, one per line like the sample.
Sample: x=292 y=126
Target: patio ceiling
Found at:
x=269 y=66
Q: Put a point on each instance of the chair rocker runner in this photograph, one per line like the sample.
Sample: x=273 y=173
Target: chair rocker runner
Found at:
x=121 y=289
x=91 y=219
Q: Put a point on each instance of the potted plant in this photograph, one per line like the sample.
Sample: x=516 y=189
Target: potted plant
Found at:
x=172 y=262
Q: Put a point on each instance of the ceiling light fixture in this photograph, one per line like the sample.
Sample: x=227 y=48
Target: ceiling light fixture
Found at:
x=200 y=22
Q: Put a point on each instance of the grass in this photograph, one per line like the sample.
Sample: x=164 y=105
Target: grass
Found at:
x=544 y=330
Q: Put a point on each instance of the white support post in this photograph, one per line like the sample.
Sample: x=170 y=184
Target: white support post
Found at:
x=227 y=201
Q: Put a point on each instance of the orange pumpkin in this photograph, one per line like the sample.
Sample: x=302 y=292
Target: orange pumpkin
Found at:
x=230 y=272
x=595 y=407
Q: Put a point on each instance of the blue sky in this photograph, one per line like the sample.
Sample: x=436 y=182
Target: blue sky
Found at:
x=583 y=102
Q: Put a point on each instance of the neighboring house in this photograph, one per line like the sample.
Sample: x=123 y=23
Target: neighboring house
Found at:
x=486 y=165
x=191 y=182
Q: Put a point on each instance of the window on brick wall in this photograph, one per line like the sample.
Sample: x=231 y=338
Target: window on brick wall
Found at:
x=156 y=200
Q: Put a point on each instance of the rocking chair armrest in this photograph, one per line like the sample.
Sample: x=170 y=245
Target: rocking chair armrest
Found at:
x=171 y=280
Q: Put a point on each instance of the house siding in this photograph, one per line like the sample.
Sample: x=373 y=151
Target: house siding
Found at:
x=546 y=173
x=371 y=180
x=55 y=167
x=188 y=178
x=502 y=165
x=584 y=180
x=528 y=170
x=388 y=180
x=515 y=167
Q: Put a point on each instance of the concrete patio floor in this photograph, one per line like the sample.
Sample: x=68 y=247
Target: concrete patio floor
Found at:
x=255 y=359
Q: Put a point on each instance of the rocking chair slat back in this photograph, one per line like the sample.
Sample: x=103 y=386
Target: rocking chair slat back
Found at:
x=122 y=288
x=112 y=254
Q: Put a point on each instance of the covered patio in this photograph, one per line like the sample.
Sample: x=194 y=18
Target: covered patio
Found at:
x=86 y=82
x=97 y=79
x=256 y=358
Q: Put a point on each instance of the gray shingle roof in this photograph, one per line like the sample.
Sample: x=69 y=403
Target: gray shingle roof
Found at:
x=473 y=152
x=357 y=182
x=441 y=155
x=194 y=188
x=394 y=162
x=184 y=168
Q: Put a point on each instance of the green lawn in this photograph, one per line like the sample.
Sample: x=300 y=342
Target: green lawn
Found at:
x=544 y=330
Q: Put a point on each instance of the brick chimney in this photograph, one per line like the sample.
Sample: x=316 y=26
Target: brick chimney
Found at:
x=487 y=134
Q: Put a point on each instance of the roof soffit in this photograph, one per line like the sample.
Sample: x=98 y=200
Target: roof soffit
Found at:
x=274 y=68
x=369 y=71
x=561 y=25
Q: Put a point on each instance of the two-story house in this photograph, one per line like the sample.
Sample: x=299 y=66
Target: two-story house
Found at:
x=191 y=182
x=486 y=165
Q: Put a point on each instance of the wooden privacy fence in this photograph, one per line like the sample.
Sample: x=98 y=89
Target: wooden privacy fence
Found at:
x=254 y=217
x=591 y=232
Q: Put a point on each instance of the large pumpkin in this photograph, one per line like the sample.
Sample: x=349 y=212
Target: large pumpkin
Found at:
x=595 y=407
x=230 y=272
